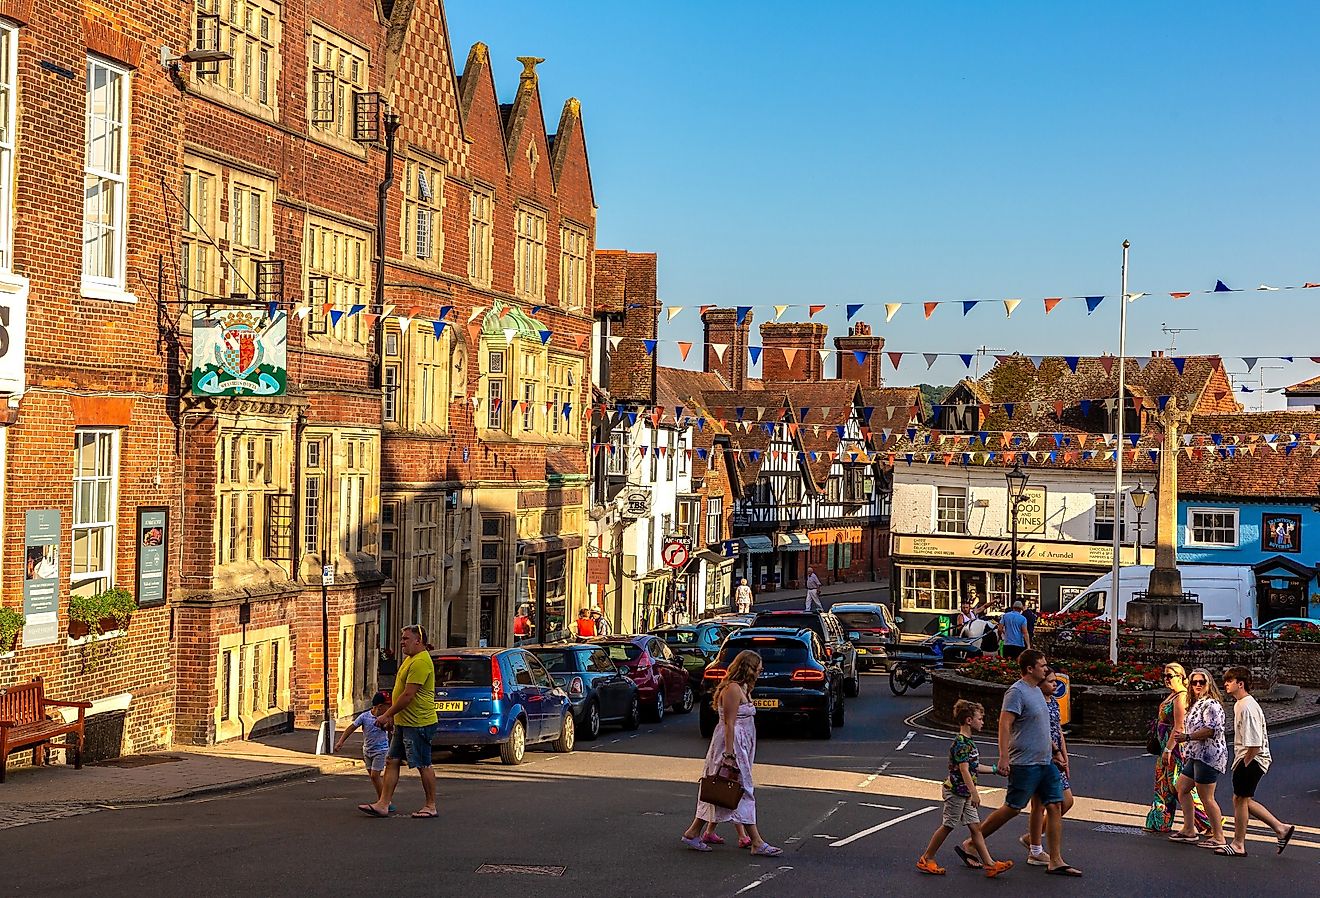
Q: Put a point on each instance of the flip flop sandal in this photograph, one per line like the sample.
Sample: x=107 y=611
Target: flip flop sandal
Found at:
x=425 y=815
x=712 y=838
x=1211 y=845
x=998 y=867
x=967 y=858
x=930 y=867
x=744 y=842
x=1065 y=870
x=1229 y=851
x=765 y=849
x=1179 y=837
x=372 y=812
x=1286 y=838
x=695 y=844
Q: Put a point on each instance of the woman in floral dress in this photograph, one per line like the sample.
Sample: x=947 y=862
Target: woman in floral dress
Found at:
x=1170 y=761
x=1205 y=758
x=733 y=745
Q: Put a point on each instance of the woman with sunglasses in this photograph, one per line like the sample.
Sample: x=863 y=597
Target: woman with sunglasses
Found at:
x=1169 y=763
x=1205 y=758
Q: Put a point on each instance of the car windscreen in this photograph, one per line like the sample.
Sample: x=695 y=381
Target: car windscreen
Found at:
x=792 y=621
x=776 y=653
x=859 y=619
x=452 y=670
x=623 y=651
x=557 y=660
x=679 y=637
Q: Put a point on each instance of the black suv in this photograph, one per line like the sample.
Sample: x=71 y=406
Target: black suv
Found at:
x=832 y=635
x=796 y=680
x=870 y=627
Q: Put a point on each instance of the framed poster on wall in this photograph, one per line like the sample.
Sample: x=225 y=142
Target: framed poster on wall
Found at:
x=1281 y=533
x=153 y=552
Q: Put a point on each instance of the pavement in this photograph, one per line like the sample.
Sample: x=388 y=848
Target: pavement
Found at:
x=837 y=592
x=851 y=814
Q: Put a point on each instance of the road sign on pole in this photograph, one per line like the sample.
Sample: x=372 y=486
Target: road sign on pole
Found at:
x=674 y=554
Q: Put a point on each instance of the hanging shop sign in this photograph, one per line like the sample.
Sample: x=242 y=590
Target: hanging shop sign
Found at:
x=41 y=577
x=1281 y=533
x=635 y=502
x=13 y=339
x=239 y=352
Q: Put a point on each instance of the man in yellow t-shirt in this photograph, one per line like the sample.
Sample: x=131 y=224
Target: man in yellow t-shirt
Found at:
x=413 y=716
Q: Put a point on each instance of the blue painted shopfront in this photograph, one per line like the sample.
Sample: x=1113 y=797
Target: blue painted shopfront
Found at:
x=1280 y=540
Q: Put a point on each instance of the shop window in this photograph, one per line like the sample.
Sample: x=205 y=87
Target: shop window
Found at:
x=1103 y=529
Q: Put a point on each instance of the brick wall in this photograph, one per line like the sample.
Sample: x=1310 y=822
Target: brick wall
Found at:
x=791 y=351
x=722 y=328
x=866 y=369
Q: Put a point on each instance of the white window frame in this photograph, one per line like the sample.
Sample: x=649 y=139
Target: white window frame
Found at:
x=421 y=225
x=108 y=286
x=573 y=256
x=1098 y=519
x=1191 y=537
x=9 y=36
x=715 y=514
x=940 y=519
x=109 y=525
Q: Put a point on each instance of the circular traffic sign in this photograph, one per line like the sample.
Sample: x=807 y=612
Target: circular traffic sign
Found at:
x=674 y=554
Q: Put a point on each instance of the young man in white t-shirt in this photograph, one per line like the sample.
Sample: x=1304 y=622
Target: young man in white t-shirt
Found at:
x=1251 y=759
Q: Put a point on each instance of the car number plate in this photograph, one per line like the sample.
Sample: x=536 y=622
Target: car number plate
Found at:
x=861 y=651
x=765 y=702
x=450 y=706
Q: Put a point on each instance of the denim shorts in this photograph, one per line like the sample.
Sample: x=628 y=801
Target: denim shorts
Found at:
x=1201 y=773
x=413 y=744
x=375 y=760
x=1042 y=781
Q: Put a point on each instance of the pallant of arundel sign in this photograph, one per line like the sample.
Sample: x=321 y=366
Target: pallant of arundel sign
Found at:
x=971 y=548
x=239 y=352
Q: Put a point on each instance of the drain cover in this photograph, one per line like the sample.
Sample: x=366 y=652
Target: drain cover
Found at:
x=1111 y=828
x=139 y=761
x=523 y=869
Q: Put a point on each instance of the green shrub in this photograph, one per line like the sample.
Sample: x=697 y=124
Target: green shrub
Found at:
x=11 y=622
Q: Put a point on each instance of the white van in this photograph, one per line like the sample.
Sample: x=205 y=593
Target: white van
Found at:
x=1228 y=591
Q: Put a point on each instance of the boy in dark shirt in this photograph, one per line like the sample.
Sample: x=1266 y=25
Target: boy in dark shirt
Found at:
x=962 y=801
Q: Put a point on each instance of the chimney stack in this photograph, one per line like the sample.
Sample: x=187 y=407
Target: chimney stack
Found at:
x=868 y=368
x=723 y=329
x=791 y=352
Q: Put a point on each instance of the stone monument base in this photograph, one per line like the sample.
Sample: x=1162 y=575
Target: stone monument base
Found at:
x=1180 y=616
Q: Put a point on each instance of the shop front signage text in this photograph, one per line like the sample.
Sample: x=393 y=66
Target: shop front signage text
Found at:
x=1001 y=549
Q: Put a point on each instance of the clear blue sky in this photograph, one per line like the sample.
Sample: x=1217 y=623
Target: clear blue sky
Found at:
x=837 y=152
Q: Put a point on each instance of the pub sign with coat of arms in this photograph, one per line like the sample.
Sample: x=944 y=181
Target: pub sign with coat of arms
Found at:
x=239 y=352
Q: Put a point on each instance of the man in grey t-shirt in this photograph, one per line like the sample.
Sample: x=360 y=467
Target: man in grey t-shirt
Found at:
x=1026 y=758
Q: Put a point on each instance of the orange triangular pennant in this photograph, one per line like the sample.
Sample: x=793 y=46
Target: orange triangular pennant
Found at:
x=1051 y=302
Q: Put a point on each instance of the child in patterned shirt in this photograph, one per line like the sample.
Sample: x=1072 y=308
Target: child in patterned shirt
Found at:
x=962 y=801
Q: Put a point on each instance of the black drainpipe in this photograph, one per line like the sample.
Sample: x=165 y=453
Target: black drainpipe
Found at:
x=382 y=200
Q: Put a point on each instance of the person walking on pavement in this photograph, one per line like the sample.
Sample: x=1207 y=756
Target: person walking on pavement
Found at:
x=813 y=591
x=1025 y=757
x=603 y=627
x=1037 y=856
x=1169 y=764
x=413 y=716
x=733 y=744
x=1206 y=755
x=742 y=597
x=1013 y=631
x=1251 y=760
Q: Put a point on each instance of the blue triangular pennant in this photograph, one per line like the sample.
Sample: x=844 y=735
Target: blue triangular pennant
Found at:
x=1179 y=362
x=755 y=353
x=438 y=328
x=1072 y=361
x=860 y=355
x=1092 y=303
x=853 y=310
x=545 y=337
x=743 y=312
x=650 y=346
x=1221 y=287
x=968 y=305
x=335 y=315
x=966 y=359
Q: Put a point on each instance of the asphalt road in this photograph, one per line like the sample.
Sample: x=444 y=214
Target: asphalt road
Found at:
x=852 y=814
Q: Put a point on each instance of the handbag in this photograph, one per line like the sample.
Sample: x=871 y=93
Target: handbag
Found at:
x=721 y=790
x=1153 y=746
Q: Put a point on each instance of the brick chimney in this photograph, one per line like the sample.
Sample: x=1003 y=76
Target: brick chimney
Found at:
x=625 y=301
x=792 y=352
x=859 y=339
x=722 y=328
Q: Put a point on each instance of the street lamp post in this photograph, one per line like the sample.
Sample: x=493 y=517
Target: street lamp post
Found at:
x=1140 y=496
x=1017 y=486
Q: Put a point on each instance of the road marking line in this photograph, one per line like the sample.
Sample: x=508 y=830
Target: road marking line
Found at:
x=908 y=738
x=1121 y=760
x=917 y=779
x=883 y=807
x=870 y=779
x=920 y=755
x=879 y=826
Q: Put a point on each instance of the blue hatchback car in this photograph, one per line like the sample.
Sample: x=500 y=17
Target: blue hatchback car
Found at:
x=498 y=699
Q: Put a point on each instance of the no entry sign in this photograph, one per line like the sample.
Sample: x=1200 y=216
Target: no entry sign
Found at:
x=674 y=554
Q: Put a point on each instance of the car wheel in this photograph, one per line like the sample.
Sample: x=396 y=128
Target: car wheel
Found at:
x=836 y=718
x=515 y=748
x=633 y=719
x=708 y=720
x=821 y=722
x=853 y=685
x=567 y=735
x=685 y=703
x=658 y=712
x=591 y=729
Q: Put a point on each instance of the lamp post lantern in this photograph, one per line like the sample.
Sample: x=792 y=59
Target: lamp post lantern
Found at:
x=1017 y=487
x=1140 y=496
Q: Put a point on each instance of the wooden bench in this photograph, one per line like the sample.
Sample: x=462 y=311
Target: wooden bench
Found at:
x=23 y=724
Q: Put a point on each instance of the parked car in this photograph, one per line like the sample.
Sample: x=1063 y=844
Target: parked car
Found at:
x=503 y=699
x=662 y=682
x=696 y=645
x=1271 y=628
x=735 y=619
x=871 y=627
x=832 y=636
x=598 y=689
x=797 y=680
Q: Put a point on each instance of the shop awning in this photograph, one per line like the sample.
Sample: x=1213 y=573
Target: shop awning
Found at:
x=550 y=544
x=711 y=559
x=792 y=542
x=755 y=544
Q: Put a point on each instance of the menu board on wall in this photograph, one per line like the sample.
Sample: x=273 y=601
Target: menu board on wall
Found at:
x=153 y=541
x=41 y=577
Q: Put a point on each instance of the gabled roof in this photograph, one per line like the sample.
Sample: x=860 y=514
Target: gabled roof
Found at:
x=1256 y=468
x=1309 y=387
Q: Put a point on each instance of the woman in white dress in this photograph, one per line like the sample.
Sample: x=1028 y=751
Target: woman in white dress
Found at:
x=733 y=745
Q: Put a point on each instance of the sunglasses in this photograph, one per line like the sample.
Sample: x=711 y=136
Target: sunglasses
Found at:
x=1198 y=682
x=1172 y=676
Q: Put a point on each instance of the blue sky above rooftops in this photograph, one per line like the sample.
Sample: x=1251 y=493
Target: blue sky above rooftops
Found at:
x=868 y=152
